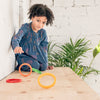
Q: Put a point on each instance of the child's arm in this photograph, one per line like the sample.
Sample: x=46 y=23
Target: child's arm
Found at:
x=17 y=38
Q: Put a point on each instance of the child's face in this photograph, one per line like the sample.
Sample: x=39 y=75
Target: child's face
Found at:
x=38 y=22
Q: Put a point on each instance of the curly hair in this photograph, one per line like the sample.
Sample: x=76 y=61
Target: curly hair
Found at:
x=41 y=10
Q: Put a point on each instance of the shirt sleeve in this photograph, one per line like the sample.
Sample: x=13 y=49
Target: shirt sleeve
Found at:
x=44 y=47
x=17 y=38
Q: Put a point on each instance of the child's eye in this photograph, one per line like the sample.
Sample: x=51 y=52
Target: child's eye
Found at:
x=44 y=22
x=37 y=20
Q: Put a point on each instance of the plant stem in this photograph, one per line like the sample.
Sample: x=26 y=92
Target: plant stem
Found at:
x=91 y=62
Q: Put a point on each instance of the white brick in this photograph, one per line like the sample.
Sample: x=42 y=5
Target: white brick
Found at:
x=26 y=5
x=77 y=21
x=77 y=11
x=84 y=2
x=60 y=17
x=47 y=2
x=63 y=3
x=97 y=2
x=94 y=20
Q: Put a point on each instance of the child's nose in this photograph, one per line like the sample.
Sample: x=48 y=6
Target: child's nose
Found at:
x=40 y=25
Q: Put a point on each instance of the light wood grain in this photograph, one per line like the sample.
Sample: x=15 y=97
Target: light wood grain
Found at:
x=68 y=87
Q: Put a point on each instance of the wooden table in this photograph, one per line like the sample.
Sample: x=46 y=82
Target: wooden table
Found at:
x=68 y=87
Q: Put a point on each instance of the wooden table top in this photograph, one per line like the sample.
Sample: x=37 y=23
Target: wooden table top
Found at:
x=68 y=86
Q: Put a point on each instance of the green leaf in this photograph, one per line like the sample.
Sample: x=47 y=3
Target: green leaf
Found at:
x=80 y=71
x=95 y=51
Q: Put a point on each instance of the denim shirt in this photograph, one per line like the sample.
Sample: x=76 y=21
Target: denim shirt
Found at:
x=33 y=44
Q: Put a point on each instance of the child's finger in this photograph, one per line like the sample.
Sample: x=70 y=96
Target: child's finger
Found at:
x=21 y=50
x=16 y=51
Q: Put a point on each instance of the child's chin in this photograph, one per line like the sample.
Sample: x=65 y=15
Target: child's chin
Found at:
x=39 y=29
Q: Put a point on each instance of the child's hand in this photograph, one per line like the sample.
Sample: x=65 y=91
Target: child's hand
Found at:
x=18 y=50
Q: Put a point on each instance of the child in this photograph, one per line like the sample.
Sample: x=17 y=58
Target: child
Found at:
x=30 y=43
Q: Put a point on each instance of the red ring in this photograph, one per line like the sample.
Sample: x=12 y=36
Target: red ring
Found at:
x=13 y=80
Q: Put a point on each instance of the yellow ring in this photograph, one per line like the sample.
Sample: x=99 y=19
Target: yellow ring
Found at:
x=49 y=86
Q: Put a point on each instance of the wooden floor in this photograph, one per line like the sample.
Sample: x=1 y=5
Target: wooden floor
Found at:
x=68 y=87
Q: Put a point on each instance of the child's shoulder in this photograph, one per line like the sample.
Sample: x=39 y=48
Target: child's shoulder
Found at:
x=43 y=31
x=25 y=24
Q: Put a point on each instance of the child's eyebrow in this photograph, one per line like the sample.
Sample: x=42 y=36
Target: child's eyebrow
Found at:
x=40 y=19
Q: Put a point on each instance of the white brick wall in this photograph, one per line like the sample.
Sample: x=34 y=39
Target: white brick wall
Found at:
x=47 y=2
x=84 y=2
x=76 y=18
x=97 y=2
x=63 y=3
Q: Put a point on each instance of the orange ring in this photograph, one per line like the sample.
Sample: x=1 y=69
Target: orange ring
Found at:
x=27 y=65
x=49 y=86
